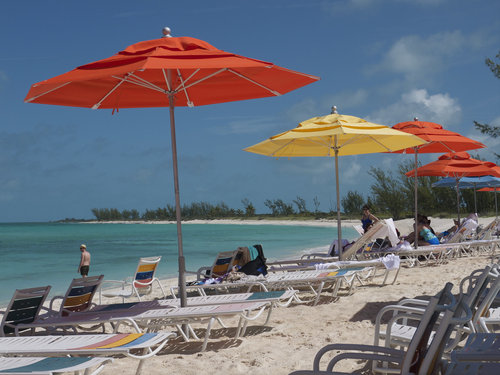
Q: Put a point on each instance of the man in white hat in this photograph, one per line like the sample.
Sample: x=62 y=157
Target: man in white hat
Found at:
x=83 y=268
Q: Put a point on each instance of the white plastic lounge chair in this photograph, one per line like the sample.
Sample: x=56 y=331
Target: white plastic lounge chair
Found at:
x=146 y=319
x=24 y=307
x=399 y=332
x=223 y=263
x=51 y=366
x=480 y=355
x=315 y=281
x=388 y=263
x=420 y=356
x=140 y=284
x=94 y=345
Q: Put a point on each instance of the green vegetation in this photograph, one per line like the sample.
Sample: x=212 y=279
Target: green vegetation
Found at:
x=490 y=130
x=391 y=195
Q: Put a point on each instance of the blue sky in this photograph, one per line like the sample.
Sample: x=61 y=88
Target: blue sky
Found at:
x=385 y=60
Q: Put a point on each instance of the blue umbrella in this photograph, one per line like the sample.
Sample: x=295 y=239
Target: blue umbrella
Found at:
x=469 y=183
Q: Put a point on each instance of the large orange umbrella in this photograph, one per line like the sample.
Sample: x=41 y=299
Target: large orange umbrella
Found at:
x=456 y=165
x=168 y=72
x=439 y=140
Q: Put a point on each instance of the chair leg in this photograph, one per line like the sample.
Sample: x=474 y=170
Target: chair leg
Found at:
x=141 y=362
x=207 y=334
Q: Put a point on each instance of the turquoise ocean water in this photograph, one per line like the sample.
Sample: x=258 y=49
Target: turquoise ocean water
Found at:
x=48 y=253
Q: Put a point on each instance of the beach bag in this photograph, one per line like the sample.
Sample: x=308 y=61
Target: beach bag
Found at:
x=257 y=266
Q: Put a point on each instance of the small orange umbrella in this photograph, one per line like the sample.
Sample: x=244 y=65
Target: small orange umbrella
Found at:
x=439 y=140
x=456 y=165
x=493 y=189
x=168 y=72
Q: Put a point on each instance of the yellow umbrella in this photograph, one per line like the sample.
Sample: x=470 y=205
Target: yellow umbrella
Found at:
x=336 y=135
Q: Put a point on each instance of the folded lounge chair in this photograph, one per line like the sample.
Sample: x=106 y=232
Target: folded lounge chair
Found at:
x=399 y=331
x=51 y=366
x=24 y=307
x=421 y=356
x=95 y=345
x=140 y=284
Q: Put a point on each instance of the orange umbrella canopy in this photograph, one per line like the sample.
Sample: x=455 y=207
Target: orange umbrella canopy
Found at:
x=490 y=189
x=457 y=165
x=438 y=139
x=144 y=73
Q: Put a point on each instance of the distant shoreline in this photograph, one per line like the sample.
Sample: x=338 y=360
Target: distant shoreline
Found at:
x=296 y=222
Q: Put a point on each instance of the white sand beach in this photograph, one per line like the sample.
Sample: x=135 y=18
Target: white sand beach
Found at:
x=296 y=333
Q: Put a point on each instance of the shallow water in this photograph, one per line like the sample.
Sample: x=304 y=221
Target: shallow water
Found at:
x=35 y=254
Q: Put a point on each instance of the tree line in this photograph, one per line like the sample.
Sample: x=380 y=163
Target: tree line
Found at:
x=391 y=194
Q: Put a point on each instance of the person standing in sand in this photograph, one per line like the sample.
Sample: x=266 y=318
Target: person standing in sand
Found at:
x=83 y=268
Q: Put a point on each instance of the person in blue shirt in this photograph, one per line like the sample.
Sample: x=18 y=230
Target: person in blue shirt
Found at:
x=368 y=218
x=427 y=235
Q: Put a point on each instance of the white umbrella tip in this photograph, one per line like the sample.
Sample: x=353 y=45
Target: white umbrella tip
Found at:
x=166 y=32
x=334 y=110
x=415 y=118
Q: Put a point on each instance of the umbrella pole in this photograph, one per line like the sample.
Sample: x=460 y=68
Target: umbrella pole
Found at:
x=339 y=224
x=475 y=199
x=416 y=198
x=182 y=262
x=496 y=203
x=458 y=202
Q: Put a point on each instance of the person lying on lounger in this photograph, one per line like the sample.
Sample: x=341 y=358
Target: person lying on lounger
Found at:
x=428 y=237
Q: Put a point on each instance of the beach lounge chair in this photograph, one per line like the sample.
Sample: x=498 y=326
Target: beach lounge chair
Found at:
x=51 y=366
x=379 y=229
x=78 y=297
x=142 y=318
x=480 y=355
x=24 y=307
x=140 y=284
x=398 y=332
x=84 y=345
x=223 y=263
x=388 y=263
x=420 y=357
x=314 y=281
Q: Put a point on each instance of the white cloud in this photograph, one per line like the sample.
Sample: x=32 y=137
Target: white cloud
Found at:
x=418 y=58
x=350 y=173
x=440 y=108
x=346 y=5
x=248 y=125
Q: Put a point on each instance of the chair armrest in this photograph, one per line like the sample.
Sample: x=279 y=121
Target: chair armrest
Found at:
x=51 y=308
x=200 y=273
x=377 y=353
x=413 y=301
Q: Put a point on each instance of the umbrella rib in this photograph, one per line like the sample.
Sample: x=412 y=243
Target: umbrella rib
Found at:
x=137 y=82
x=189 y=102
x=205 y=78
x=186 y=80
x=254 y=82
x=350 y=140
x=381 y=145
x=281 y=147
x=142 y=84
x=46 y=92
x=146 y=82
x=98 y=104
